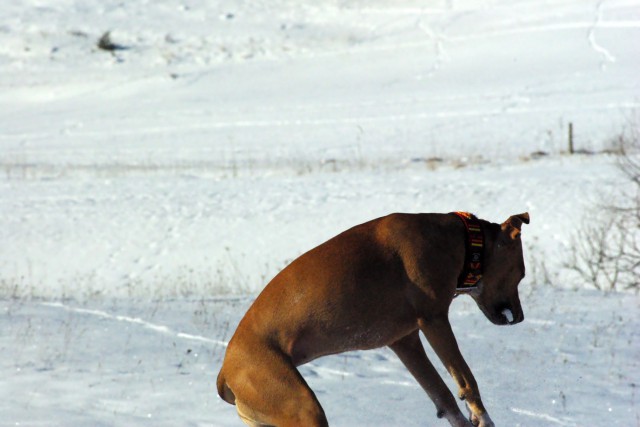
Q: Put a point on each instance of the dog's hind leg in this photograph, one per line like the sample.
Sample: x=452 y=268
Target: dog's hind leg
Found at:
x=411 y=352
x=247 y=417
x=269 y=390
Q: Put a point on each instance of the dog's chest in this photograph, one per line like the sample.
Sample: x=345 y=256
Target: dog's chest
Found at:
x=314 y=343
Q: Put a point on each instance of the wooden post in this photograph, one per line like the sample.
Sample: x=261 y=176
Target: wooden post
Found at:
x=571 y=150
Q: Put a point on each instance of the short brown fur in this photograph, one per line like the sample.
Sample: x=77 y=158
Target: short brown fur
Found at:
x=376 y=284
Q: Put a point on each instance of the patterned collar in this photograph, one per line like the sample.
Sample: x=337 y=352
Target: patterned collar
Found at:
x=474 y=253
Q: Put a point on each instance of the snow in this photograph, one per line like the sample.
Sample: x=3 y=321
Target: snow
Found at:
x=508 y=315
x=131 y=362
x=148 y=194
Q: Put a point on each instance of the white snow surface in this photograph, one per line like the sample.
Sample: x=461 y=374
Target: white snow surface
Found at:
x=149 y=193
x=508 y=315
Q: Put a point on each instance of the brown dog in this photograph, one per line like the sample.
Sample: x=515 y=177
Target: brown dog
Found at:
x=376 y=284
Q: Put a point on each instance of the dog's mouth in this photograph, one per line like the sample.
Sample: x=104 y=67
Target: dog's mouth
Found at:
x=504 y=312
x=503 y=315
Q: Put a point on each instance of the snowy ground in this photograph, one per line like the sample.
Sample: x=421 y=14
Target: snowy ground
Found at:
x=154 y=363
x=146 y=195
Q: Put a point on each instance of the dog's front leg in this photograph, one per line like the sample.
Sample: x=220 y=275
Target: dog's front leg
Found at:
x=411 y=352
x=440 y=336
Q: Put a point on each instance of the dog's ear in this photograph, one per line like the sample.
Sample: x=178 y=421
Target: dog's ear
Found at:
x=513 y=225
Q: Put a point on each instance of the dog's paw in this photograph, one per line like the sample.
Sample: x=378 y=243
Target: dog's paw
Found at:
x=480 y=421
x=474 y=420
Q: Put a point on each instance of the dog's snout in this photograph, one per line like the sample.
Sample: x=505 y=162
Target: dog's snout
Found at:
x=508 y=314
x=512 y=316
x=519 y=318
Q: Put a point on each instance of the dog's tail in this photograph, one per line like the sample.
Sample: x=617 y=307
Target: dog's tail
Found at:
x=223 y=389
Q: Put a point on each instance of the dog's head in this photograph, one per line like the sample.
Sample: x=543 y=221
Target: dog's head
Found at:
x=497 y=293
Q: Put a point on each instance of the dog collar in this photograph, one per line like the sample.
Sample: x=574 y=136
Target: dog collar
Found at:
x=474 y=251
